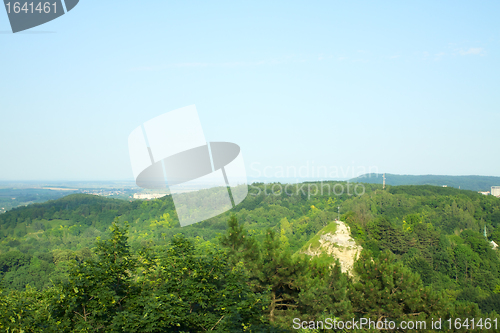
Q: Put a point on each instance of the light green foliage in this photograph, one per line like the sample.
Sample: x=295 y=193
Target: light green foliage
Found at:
x=177 y=288
x=27 y=311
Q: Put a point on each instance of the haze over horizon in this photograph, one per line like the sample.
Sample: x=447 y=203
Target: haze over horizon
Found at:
x=406 y=88
x=131 y=182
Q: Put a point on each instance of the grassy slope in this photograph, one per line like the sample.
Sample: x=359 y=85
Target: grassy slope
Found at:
x=314 y=242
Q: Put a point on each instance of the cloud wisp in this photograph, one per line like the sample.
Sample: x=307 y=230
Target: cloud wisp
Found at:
x=322 y=57
x=268 y=62
x=472 y=51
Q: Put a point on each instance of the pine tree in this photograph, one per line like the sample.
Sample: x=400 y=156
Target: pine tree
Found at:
x=323 y=290
x=385 y=289
x=239 y=245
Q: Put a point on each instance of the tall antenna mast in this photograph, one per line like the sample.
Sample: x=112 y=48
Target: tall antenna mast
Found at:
x=338 y=219
x=383 y=185
x=485 y=232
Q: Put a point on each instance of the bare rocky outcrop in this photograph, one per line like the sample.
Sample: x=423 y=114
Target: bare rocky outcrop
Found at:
x=339 y=244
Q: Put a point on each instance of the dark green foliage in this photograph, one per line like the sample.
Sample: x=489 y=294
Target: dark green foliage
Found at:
x=19 y=270
x=13 y=260
x=387 y=289
x=294 y=285
x=388 y=237
x=240 y=246
x=324 y=290
x=279 y=272
x=419 y=265
x=469 y=294
x=490 y=303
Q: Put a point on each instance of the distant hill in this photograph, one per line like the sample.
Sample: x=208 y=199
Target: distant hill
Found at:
x=473 y=183
x=16 y=197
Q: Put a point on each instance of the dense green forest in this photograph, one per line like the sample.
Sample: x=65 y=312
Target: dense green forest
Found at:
x=85 y=263
x=473 y=183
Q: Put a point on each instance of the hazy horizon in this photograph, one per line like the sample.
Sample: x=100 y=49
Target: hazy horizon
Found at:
x=250 y=179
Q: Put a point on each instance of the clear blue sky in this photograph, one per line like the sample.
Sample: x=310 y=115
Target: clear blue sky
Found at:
x=402 y=87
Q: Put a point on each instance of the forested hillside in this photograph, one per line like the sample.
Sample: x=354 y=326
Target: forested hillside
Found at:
x=15 y=197
x=473 y=183
x=423 y=245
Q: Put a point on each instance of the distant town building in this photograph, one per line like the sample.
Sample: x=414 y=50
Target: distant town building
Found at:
x=495 y=190
x=148 y=195
x=445 y=185
x=485 y=193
